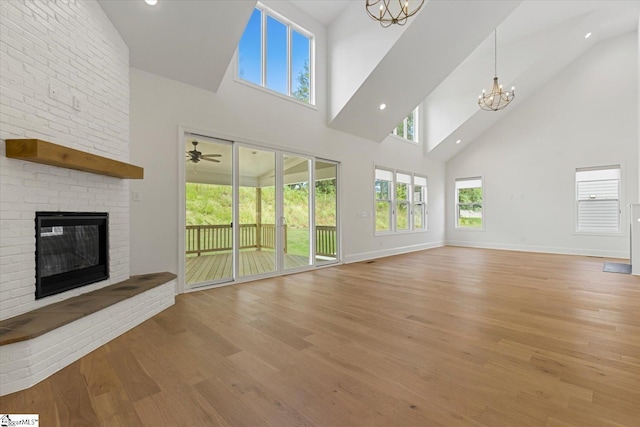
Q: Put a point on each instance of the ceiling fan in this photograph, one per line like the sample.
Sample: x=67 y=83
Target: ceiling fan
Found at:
x=195 y=156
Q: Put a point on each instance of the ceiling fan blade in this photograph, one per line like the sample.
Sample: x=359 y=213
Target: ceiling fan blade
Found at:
x=211 y=155
x=210 y=160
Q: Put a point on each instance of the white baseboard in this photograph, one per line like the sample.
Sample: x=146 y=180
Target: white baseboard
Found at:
x=541 y=249
x=363 y=256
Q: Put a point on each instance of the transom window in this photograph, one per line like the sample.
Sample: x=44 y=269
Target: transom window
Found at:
x=469 y=212
x=598 y=199
x=277 y=54
x=401 y=201
x=408 y=128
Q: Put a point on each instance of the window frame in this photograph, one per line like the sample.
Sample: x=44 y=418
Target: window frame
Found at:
x=265 y=13
x=421 y=203
x=390 y=200
x=457 y=203
x=407 y=202
x=416 y=127
x=577 y=200
x=393 y=202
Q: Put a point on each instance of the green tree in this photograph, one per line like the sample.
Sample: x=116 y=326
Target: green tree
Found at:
x=470 y=195
x=410 y=128
x=302 y=91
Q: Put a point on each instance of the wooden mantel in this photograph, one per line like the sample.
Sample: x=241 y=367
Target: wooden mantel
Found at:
x=38 y=151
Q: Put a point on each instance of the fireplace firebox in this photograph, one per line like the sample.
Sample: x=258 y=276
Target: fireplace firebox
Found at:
x=71 y=250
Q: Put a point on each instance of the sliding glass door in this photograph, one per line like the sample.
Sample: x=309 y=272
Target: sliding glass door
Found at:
x=296 y=196
x=257 y=232
x=209 y=210
x=256 y=212
x=326 y=212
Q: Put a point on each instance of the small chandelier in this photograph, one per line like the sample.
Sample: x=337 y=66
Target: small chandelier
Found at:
x=497 y=99
x=388 y=15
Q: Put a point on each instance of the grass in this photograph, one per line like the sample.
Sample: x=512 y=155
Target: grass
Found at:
x=212 y=204
x=298 y=241
x=470 y=222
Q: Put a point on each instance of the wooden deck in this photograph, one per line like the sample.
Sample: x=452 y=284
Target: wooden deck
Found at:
x=206 y=268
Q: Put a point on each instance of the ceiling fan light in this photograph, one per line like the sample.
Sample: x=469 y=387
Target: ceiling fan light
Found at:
x=196 y=156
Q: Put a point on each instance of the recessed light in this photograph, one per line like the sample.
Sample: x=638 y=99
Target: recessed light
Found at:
x=586 y=36
x=383 y=106
x=458 y=141
x=151 y=2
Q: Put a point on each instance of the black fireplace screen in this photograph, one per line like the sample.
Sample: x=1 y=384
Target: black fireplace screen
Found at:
x=71 y=251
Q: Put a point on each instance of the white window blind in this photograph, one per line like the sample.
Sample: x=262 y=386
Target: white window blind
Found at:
x=384 y=175
x=598 y=199
x=468 y=183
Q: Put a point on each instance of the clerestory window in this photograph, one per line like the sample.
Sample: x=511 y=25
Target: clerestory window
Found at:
x=277 y=54
x=408 y=128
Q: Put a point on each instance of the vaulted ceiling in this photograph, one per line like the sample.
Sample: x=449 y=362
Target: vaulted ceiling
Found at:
x=441 y=59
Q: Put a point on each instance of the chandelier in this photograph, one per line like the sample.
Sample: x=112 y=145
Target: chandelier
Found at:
x=388 y=14
x=497 y=99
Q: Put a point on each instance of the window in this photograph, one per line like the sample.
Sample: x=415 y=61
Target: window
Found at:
x=397 y=207
x=383 y=186
x=469 y=203
x=598 y=199
x=277 y=54
x=408 y=128
x=419 y=203
x=403 y=190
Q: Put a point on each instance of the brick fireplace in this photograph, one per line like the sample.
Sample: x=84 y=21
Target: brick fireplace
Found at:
x=65 y=79
x=73 y=50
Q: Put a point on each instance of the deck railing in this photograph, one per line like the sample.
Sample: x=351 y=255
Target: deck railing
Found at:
x=215 y=238
x=326 y=240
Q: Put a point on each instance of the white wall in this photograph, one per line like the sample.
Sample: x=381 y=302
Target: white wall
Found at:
x=586 y=116
x=159 y=106
x=73 y=47
x=356 y=46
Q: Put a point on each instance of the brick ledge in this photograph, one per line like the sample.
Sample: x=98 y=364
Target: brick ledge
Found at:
x=34 y=323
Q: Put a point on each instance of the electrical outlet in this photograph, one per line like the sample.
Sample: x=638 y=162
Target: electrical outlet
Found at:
x=135 y=196
x=77 y=103
x=54 y=92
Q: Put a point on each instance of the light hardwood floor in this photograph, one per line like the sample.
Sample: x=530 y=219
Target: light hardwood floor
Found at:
x=449 y=336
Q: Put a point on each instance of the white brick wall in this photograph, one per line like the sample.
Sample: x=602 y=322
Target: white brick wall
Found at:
x=26 y=363
x=71 y=46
